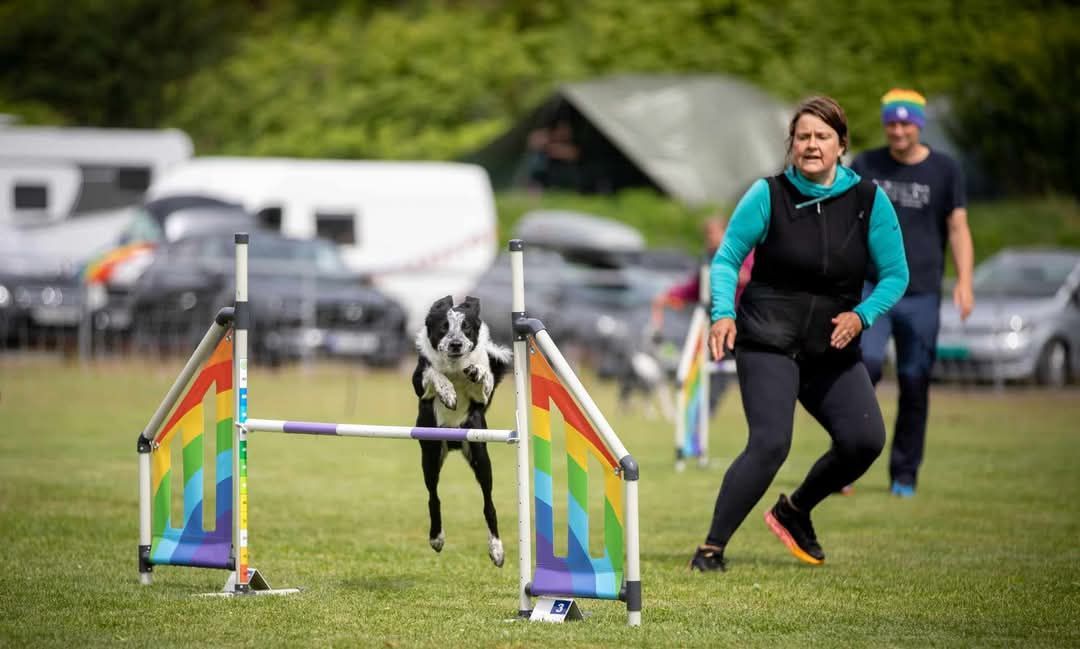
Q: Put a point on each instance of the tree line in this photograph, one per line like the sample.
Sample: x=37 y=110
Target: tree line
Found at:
x=436 y=79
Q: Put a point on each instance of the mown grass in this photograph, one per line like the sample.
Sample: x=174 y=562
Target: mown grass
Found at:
x=985 y=556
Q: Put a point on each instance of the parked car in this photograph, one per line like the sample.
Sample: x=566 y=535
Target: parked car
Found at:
x=57 y=275
x=114 y=272
x=33 y=288
x=1026 y=321
x=41 y=273
x=601 y=240
x=304 y=299
x=591 y=280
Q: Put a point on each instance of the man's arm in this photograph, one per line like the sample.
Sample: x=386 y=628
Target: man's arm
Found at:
x=963 y=253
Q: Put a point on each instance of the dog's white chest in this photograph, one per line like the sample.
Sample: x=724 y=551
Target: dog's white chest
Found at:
x=465 y=388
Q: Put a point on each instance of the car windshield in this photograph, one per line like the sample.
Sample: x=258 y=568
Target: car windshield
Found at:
x=293 y=255
x=1024 y=276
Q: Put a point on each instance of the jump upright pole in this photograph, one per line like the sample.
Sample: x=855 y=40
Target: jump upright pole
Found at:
x=241 y=582
x=704 y=298
x=521 y=400
x=524 y=327
x=692 y=382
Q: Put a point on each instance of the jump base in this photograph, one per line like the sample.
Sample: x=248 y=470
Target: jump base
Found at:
x=257 y=585
x=556 y=609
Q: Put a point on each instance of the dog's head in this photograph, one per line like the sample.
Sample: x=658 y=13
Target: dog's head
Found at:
x=454 y=330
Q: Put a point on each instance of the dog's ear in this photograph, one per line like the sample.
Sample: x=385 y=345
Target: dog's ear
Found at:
x=443 y=304
x=438 y=311
x=470 y=306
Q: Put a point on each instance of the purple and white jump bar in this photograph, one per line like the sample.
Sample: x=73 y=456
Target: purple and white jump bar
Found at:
x=385 y=432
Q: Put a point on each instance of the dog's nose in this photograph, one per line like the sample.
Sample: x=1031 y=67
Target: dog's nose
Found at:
x=455 y=346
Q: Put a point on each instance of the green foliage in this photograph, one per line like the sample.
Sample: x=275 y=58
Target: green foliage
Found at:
x=105 y=62
x=31 y=112
x=436 y=79
x=386 y=86
x=1019 y=111
x=1048 y=222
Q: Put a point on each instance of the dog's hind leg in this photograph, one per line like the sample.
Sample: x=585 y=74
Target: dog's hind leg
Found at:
x=432 y=454
x=481 y=466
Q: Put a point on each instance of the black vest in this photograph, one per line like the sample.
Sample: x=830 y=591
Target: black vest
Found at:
x=810 y=268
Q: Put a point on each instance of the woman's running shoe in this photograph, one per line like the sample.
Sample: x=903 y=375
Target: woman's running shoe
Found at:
x=795 y=530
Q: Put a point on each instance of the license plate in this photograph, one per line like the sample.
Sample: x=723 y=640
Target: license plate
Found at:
x=952 y=353
x=55 y=316
x=352 y=342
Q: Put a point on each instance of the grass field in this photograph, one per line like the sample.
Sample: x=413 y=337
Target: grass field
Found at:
x=986 y=555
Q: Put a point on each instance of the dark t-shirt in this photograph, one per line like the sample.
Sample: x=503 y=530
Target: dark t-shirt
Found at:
x=924 y=194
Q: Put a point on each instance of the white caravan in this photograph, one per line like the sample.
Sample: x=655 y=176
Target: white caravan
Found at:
x=421 y=230
x=50 y=173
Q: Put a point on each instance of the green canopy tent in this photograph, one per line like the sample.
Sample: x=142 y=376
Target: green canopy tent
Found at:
x=700 y=139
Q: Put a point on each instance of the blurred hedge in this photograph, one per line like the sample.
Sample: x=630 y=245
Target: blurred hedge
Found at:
x=434 y=79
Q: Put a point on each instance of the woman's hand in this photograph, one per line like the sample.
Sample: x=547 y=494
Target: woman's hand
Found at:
x=848 y=325
x=721 y=337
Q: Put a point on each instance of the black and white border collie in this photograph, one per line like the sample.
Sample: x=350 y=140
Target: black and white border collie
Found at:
x=455 y=376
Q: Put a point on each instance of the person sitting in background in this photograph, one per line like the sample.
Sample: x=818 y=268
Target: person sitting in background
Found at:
x=553 y=157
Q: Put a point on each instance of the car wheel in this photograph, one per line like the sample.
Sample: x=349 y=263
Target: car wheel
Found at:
x=1053 y=367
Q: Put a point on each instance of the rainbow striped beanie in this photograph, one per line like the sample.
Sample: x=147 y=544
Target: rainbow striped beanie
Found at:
x=899 y=105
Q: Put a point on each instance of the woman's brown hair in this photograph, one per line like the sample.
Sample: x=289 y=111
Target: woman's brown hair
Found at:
x=827 y=110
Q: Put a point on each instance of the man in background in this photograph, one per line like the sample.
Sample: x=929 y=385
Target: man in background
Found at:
x=927 y=190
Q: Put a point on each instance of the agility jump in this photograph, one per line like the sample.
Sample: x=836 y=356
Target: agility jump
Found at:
x=692 y=386
x=542 y=378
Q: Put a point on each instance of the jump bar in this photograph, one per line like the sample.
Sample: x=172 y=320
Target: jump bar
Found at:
x=385 y=432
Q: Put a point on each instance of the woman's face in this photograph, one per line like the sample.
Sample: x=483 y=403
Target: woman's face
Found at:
x=815 y=148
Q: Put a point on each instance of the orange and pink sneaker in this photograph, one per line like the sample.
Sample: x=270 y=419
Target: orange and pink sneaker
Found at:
x=795 y=530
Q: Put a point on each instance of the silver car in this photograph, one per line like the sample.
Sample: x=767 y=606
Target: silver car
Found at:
x=1026 y=321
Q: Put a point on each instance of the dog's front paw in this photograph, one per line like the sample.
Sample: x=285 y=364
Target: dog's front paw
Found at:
x=495 y=551
x=483 y=377
x=476 y=373
x=435 y=381
x=447 y=394
x=438 y=542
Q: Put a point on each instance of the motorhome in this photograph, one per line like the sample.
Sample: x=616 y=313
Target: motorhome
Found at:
x=50 y=173
x=420 y=230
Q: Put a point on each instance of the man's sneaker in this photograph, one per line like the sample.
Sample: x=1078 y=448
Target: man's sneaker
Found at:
x=708 y=558
x=795 y=530
x=902 y=490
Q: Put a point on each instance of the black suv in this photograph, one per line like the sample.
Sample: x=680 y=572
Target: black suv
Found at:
x=304 y=300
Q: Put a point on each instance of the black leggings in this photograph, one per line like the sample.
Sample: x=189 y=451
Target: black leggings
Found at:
x=840 y=397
